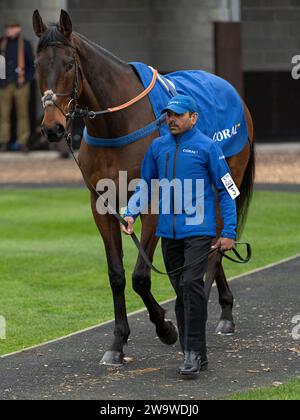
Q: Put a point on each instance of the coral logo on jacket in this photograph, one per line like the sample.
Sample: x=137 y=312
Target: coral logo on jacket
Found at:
x=227 y=134
x=2 y=67
x=192 y=152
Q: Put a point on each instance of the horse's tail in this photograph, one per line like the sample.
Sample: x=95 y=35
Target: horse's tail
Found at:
x=246 y=189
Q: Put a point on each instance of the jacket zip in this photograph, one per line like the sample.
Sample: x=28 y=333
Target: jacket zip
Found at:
x=167 y=165
x=174 y=177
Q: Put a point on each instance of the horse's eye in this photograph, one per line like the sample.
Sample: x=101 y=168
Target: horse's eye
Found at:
x=69 y=66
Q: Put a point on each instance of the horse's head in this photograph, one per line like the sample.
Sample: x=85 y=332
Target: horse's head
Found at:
x=58 y=73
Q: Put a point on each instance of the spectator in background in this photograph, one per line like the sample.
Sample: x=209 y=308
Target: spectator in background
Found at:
x=16 y=87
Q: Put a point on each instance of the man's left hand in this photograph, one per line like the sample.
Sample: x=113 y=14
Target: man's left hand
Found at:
x=224 y=244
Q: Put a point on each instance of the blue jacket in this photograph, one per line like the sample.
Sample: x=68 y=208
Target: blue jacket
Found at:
x=190 y=156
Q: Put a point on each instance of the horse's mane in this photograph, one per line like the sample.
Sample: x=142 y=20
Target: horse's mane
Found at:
x=53 y=36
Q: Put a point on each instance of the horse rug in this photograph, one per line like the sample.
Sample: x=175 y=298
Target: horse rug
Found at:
x=221 y=110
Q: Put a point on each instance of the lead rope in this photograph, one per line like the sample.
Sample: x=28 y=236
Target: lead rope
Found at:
x=133 y=235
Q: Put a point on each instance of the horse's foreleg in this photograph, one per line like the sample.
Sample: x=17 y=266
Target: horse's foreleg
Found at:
x=215 y=271
x=226 y=325
x=141 y=279
x=110 y=232
x=210 y=274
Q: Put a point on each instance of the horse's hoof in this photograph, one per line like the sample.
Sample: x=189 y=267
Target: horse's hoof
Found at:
x=169 y=334
x=113 y=358
x=225 y=327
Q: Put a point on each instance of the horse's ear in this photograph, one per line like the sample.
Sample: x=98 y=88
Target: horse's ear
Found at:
x=38 y=24
x=65 y=24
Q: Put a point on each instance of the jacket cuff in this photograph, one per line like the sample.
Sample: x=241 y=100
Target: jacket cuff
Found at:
x=127 y=213
x=229 y=235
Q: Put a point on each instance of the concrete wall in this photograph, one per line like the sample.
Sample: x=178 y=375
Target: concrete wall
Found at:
x=271 y=34
x=173 y=34
x=168 y=34
x=121 y=26
x=182 y=33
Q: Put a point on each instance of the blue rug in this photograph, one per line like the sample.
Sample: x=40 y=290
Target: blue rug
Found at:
x=221 y=111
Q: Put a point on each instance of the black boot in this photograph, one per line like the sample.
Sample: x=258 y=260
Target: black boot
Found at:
x=193 y=363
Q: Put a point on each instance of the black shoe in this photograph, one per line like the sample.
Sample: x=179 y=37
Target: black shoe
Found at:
x=193 y=363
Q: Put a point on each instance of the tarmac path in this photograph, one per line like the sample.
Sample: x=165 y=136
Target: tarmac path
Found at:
x=262 y=352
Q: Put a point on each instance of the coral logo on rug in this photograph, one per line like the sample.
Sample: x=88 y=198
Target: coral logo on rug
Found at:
x=227 y=134
x=2 y=67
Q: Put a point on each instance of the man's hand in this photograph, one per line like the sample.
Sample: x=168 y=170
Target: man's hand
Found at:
x=129 y=230
x=224 y=244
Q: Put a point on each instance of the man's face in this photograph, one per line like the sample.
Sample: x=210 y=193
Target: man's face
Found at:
x=180 y=123
x=13 y=31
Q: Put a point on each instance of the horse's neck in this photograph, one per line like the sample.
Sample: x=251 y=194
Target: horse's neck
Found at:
x=108 y=82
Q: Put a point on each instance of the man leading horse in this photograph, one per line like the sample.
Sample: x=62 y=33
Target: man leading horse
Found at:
x=194 y=157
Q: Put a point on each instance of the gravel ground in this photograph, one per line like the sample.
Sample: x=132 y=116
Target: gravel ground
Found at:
x=38 y=168
x=277 y=168
x=274 y=166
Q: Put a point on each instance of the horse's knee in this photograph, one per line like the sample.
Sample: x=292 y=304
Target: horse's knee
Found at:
x=226 y=299
x=117 y=280
x=140 y=283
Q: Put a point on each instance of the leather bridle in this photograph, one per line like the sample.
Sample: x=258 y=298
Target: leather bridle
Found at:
x=49 y=98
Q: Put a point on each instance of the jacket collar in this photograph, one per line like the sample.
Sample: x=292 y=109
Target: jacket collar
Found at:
x=185 y=136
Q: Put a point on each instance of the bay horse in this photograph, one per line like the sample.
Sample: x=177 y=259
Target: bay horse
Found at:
x=104 y=81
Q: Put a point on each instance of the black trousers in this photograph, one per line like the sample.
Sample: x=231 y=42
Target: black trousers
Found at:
x=191 y=302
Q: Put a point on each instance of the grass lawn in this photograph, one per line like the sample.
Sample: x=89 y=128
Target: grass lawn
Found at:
x=53 y=267
x=289 y=391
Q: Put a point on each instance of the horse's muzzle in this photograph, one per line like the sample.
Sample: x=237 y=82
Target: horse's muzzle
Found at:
x=53 y=134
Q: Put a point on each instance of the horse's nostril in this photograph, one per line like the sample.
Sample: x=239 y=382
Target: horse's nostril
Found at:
x=53 y=134
x=60 y=129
